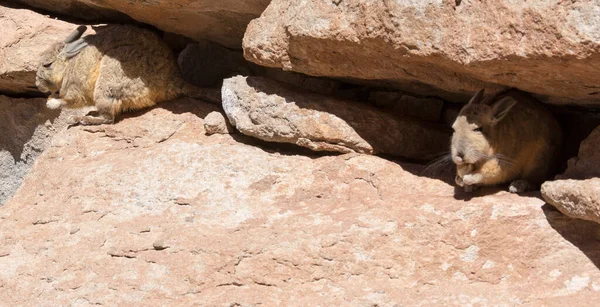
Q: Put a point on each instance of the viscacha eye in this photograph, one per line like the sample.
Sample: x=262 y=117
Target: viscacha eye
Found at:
x=478 y=129
x=46 y=65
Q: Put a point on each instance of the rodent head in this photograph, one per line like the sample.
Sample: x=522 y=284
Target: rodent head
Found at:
x=54 y=61
x=473 y=128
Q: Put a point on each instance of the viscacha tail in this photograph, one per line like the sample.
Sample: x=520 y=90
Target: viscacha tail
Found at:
x=183 y=88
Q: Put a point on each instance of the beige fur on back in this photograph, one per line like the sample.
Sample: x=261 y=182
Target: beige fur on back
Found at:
x=523 y=145
x=122 y=68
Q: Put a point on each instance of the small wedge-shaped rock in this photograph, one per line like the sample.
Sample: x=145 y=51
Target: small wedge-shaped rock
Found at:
x=575 y=198
x=216 y=123
x=585 y=165
x=273 y=112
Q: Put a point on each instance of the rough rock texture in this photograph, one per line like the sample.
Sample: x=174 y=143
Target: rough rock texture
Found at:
x=577 y=124
x=151 y=211
x=25 y=35
x=587 y=163
x=424 y=108
x=575 y=198
x=269 y=111
x=222 y=21
x=215 y=122
x=81 y=10
x=26 y=127
x=551 y=48
x=578 y=198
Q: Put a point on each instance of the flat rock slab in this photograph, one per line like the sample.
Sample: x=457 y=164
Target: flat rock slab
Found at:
x=151 y=211
x=575 y=198
x=450 y=48
x=273 y=112
x=222 y=21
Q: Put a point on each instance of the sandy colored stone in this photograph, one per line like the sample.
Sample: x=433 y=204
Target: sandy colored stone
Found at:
x=150 y=211
x=25 y=35
x=215 y=122
x=448 y=49
x=81 y=10
x=575 y=198
x=27 y=127
x=587 y=163
x=272 y=112
x=222 y=21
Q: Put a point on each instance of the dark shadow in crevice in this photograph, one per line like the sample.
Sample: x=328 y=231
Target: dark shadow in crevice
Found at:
x=576 y=123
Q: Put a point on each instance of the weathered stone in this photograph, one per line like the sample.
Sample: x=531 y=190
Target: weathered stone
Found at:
x=424 y=108
x=150 y=211
x=550 y=48
x=80 y=10
x=27 y=127
x=575 y=198
x=222 y=21
x=587 y=163
x=25 y=35
x=429 y=109
x=385 y=99
x=216 y=123
x=576 y=193
x=272 y=112
x=321 y=86
x=577 y=125
x=176 y=42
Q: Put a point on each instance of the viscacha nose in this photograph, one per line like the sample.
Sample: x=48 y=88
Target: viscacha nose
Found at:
x=458 y=158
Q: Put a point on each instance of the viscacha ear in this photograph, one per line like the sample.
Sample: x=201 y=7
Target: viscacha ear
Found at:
x=72 y=49
x=477 y=97
x=75 y=34
x=501 y=107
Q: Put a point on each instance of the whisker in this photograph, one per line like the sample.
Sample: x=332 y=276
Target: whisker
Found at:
x=504 y=160
x=435 y=165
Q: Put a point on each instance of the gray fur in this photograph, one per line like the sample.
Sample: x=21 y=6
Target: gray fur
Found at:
x=75 y=34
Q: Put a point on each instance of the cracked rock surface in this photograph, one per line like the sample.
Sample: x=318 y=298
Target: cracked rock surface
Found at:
x=550 y=48
x=274 y=112
x=151 y=210
x=575 y=198
x=223 y=21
